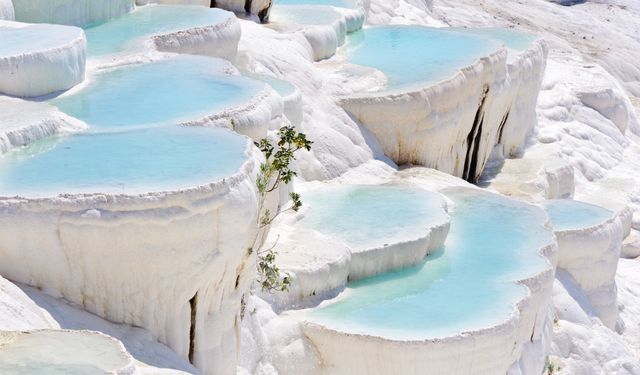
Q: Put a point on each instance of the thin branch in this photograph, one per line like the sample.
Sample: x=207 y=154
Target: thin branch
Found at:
x=271 y=248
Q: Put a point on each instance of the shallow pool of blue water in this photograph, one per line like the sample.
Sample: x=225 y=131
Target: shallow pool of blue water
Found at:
x=138 y=161
x=130 y=31
x=23 y=40
x=470 y=284
x=567 y=214
x=134 y=143
x=412 y=55
x=178 y=89
x=371 y=216
x=283 y=88
x=514 y=40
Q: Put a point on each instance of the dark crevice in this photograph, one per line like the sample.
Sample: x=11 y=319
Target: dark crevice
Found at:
x=264 y=13
x=473 y=142
x=193 y=303
x=502 y=125
x=533 y=330
x=473 y=166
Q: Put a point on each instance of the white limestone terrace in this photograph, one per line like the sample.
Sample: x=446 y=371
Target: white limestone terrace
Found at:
x=589 y=244
x=324 y=27
x=38 y=60
x=57 y=351
x=386 y=227
x=168 y=28
x=441 y=107
x=100 y=203
x=212 y=93
x=70 y=12
x=349 y=157
x=457 y=312
x=593 y=50
x=352 y=10
x=23 y=122
x=291 y=96
x=347 y=233
x=28 y=309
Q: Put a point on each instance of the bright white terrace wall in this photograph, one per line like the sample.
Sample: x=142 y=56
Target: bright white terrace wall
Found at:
x=6 y=10
x=526 y=333
x=526 y=74
x=590 y=256
x=219 y=40
x=323 y=40
x=320 y=265
x=431 y=126
x=139 y=260
x=44 y=71
x=23 y=122
x=70 y=12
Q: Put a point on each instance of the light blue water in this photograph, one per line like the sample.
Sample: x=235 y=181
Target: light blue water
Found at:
x=17 y=41
x=468 y=285
x=153 y=159
x=283 y=88
x=513 y=39
x=305 y=15
x=567 y=214
x=130 y=30
x=336 y=3
x=370 y=216
x=410 y=55
x=179 y=89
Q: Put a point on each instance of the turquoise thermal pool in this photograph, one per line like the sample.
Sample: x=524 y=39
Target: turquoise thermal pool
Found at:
x=168 y=91
x=134 y=143
x=131 y=30
x=468 y=285
x=567 y=214
x=336 y=3
x=411 y=55
x=139 y=161
x=310 y=15
x=371 y=216
x=514 y=40
x=30 y=38
x=283 y=88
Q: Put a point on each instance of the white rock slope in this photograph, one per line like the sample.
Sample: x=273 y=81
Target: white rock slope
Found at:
x=19 y=312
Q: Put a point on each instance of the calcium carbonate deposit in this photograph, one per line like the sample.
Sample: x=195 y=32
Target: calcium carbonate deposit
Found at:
x=284 y=187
